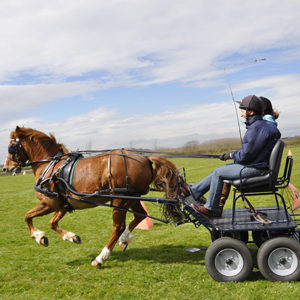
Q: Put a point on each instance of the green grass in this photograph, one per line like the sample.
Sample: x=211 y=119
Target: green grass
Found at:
x=155 y=266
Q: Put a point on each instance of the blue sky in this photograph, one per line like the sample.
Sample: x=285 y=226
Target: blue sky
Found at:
x=142 y=73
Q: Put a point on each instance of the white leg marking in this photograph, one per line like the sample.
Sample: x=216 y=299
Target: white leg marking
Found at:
x=38 y=235
x=69 y=237
x=126 y=236
x=104 y=255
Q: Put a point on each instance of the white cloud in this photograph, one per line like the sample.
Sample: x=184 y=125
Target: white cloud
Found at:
x=16 y=99
x=63 y=49
x=166 y=41
x=108 y=128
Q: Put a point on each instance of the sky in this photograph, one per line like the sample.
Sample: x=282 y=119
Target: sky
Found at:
x=145 y=73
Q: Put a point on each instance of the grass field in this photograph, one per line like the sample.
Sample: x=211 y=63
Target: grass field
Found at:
x=155 y=266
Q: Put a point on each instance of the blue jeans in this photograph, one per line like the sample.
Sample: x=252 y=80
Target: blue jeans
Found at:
x=214 y=183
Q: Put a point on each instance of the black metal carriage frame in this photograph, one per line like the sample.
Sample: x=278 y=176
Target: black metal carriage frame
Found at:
x=274 y=229
x=266 y=220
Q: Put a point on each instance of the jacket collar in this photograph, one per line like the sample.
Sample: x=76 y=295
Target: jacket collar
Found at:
x=252 y=120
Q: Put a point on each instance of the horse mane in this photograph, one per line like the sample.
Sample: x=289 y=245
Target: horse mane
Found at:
x=41 y=139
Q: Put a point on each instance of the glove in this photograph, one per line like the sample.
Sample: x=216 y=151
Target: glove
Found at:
x=226 y=155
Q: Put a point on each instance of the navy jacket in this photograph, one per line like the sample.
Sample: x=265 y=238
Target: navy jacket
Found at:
x=257 y=143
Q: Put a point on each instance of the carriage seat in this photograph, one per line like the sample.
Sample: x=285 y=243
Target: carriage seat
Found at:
x=266 y=182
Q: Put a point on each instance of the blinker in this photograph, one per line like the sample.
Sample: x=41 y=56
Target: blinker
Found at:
x=12 y=149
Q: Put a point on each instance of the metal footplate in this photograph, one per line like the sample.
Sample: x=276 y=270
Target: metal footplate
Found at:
x=197 y=218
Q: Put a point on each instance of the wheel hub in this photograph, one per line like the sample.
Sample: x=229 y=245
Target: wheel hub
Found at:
x=283 y=261
x=229 y=262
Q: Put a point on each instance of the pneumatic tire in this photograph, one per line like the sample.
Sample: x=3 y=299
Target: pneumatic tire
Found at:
x=278 y=259
x=229 y=259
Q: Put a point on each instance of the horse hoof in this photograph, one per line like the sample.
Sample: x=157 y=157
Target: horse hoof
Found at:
x=44 y=241
x=124 y=246
x=96 y=263
x=76 y=239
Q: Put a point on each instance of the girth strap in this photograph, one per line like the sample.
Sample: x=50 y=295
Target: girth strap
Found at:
x=127 y=178
x=64 y=200
x=109 y=171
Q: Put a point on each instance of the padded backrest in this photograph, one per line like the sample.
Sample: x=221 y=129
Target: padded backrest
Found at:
x=275 y=160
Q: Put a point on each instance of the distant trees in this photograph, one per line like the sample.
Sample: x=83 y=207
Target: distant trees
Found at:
x=89 y=147
x=191 y=146
x=156 y=144
x=212 y=146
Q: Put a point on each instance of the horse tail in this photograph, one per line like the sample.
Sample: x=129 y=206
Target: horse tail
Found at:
x=165 y=180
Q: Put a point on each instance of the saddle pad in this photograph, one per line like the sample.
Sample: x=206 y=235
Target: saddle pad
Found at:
x=69 y=166
x=72 y=175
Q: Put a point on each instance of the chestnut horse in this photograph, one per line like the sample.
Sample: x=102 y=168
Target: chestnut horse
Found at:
x=32 y=147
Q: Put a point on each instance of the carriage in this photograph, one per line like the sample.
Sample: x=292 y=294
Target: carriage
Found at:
x=274 y=228
x=119 y=178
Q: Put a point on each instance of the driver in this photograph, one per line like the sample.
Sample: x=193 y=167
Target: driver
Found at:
x=257 y=144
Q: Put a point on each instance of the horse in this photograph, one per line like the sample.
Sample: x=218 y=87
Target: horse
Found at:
x=104 y=171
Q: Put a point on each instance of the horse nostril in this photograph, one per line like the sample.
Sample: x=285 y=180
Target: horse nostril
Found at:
x=4 y=169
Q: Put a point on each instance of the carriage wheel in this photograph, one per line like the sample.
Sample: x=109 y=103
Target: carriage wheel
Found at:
x=278 y=259
x=228 y=259
x=260 y=236
x=239 y=235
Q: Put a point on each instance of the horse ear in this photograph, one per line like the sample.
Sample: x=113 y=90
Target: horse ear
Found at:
x=17 y=128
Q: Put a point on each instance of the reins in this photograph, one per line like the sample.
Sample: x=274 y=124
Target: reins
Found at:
x=151 y=153
x=13 y=150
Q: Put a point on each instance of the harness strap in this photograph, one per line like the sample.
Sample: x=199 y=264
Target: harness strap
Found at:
x=151 y=165
x=41 y=179
x=127 y=178
x=66 y=204
x=109 y=173
x=109 y=170
x=256 y=215
x=53 y=162
x=83 y=198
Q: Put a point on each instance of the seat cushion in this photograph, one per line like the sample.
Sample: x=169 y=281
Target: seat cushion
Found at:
x=252 y=182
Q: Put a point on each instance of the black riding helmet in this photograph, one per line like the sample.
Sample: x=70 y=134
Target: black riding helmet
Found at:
x=252 y=102
x=268 y=108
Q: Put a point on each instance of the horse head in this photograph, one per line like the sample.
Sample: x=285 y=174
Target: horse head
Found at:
x=28 y=145
x=11 y=167
x=15 y=159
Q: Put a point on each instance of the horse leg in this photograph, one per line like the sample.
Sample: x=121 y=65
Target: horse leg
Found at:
x=139 y=215
x=124 y=237
x=118 y=227
x=40 y=210
x=66 y=236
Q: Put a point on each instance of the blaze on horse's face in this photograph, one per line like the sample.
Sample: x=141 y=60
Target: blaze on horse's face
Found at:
x=10 y=166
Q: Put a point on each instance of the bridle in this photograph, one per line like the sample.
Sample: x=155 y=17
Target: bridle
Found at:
x=13 y=149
